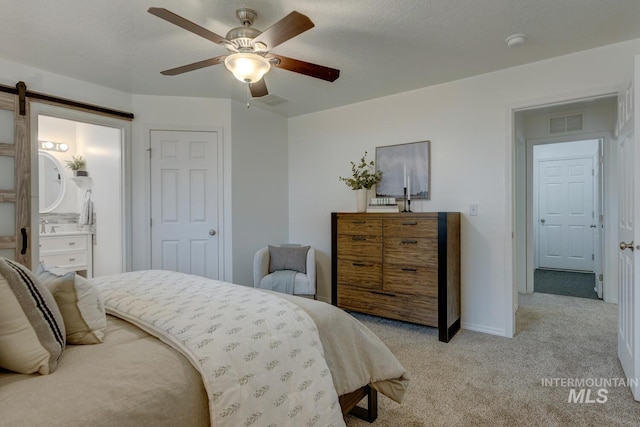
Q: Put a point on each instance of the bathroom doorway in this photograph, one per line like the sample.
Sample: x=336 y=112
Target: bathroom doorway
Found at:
x=81 y=214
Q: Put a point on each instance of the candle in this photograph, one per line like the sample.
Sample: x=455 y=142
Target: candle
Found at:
x=409 y=188
x=404 y=174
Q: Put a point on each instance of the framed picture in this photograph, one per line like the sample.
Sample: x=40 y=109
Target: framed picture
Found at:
x=404 y=164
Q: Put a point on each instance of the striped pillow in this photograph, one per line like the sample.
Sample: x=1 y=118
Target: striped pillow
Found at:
x=32 y=335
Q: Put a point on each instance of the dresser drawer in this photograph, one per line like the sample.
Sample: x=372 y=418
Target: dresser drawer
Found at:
x=371 y=227
x=63 y=243
x=411 y=251
x=408 y=308
x=358 y=273
x=412 y=280
x=67 y=260
x=411 y=227
x=360 y=247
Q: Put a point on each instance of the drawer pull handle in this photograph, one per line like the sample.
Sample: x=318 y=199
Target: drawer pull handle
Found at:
x=359 y=222
x=412 y=270
x=72 y=243
x=358 y=238
x=383 y=293
x=409 y=242
x=361 y=264
x=410 y=223
x=71 y=259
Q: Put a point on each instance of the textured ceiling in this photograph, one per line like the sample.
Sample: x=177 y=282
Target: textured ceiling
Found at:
x=380 y=47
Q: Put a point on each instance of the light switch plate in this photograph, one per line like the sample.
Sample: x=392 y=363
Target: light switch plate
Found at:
x=473 y=209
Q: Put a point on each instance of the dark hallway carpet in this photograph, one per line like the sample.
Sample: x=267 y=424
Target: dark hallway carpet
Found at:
x=566 y=283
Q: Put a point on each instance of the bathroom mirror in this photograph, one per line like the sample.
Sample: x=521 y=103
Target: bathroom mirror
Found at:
x=51 y=181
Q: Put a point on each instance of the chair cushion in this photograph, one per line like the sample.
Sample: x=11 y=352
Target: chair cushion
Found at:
x=288 y=258
x=301 y=285
x=32 y=334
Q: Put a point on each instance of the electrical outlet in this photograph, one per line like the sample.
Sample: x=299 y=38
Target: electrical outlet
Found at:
x=473 y=209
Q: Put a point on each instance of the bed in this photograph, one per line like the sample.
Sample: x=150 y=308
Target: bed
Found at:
x=184 y=350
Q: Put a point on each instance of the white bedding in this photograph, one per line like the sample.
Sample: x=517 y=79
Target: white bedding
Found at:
x=133 y=380
x=260 y=356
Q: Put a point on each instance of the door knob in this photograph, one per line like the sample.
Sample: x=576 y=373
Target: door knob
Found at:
x=593 y=226
x=543 y=220
x=624 y=246
x=212 y=232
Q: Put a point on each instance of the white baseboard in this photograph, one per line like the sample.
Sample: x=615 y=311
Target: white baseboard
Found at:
x=483 y=329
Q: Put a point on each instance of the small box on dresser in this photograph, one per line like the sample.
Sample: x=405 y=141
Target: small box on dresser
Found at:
x=403 y=266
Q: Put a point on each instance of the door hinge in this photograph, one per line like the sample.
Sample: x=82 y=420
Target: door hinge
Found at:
x=150 y=222
x=600 y=277
x=593 y=257
x=593 y=172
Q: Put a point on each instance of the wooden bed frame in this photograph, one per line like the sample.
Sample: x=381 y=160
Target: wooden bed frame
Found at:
x=349 y=402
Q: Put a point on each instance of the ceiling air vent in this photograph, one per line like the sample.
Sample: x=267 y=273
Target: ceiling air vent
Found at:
x=271 y=100
x=570 y=123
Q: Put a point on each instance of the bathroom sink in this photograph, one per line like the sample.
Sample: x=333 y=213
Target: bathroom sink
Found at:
x=62 y=229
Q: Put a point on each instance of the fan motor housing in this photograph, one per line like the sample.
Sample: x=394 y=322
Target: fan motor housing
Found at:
x=243 y=35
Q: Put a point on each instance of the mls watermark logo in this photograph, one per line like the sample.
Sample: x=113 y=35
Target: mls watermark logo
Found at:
x=588 y=390
x=583 y=395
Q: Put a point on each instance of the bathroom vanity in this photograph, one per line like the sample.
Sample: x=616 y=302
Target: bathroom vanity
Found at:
x=72 y=250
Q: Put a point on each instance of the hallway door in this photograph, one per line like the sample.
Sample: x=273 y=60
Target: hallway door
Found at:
x=629 y=232
x=566 y=214
x=184 y=202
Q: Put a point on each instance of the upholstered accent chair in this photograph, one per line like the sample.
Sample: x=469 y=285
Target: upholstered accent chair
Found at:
x=299 y=261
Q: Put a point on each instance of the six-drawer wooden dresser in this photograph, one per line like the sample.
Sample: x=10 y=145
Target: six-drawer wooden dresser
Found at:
x=403 y=266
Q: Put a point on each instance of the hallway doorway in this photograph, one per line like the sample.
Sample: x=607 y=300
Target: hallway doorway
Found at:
x=573 y=221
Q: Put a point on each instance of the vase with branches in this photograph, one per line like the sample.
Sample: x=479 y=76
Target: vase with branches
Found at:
x=363 y=177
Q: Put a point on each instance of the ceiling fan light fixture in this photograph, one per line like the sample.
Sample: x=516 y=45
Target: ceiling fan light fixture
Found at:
x=247 y=67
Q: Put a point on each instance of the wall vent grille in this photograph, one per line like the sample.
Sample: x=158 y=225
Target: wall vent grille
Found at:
x=569 y=123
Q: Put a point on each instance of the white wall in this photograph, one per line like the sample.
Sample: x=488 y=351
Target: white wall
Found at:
x=260 y=186
x=173 y=113
x=101 y=147
x=470 y=125
x=255 y=176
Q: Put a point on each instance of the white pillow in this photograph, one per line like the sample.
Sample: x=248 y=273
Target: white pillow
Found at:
x=32 y=334
x=80 y=303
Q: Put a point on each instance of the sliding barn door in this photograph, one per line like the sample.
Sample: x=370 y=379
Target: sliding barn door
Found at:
x=15 y=181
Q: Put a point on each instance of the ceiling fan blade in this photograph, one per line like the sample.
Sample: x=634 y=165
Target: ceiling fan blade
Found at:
x=195 y=66
x=307 y=68
x=186 y=24
x=258 y=89
x=288 y=27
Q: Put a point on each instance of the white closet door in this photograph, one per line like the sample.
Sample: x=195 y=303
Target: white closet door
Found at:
x=184 y=202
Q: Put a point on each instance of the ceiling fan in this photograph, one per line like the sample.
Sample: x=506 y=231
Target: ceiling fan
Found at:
x=249 y=57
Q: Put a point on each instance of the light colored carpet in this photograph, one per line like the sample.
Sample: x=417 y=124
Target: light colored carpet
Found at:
x=479 y=379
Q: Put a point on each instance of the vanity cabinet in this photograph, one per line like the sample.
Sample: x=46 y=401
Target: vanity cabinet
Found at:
x=70 y=251
x=403 y=266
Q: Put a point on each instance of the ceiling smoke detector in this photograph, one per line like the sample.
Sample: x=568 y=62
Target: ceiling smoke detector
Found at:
x=515 y=40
